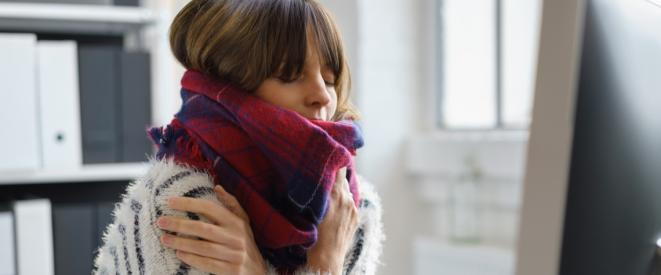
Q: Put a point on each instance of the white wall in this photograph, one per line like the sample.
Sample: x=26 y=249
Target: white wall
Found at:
x=390 y=86
x=390 y=94
x=167 y=72
x=413 y=167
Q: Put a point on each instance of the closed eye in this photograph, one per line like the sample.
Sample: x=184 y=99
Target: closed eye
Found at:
x=328 y=75
x=289 y=80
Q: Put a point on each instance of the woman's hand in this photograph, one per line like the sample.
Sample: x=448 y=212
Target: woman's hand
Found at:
x=336 y=231
x=225 y=247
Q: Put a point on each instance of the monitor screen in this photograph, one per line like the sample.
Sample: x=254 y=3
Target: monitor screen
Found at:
x=592 y=191
x=613 y=208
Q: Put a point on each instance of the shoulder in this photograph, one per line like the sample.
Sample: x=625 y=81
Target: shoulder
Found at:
x=370 y=209
x=369 y=197
x=131 y=243
x=364 y=256
x=164 y=179
x=164 y=173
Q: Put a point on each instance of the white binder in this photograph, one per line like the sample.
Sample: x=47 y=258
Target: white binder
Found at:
x=59 y=104
x=19 y=140
x=34 y=237
x=7 y=243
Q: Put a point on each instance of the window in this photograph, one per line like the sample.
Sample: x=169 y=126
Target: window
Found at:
x=487 y=51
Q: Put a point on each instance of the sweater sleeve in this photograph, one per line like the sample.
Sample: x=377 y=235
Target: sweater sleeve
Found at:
x=131 y=244
x=363 y=257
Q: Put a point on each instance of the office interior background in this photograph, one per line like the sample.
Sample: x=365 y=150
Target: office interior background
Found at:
x=444 y=87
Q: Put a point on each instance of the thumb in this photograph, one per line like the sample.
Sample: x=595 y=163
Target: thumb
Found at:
x=230 y=202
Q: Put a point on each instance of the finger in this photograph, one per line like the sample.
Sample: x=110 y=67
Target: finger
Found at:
x=345 y=195
x=230 y=202
x=347 y=188
x=341 y=186
x=340 y=175
x=199 y=229
x=205 y=264
x=345 y=183
x=212 y=211
x=201 y=248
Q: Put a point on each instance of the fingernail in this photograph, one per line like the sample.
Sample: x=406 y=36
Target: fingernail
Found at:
x=167 y=239
x=169 y=201
x=162 y=222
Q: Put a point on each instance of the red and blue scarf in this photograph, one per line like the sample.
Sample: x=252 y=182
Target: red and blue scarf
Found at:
x=279 y=165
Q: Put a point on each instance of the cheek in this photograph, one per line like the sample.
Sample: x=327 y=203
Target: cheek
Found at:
x=274 y=93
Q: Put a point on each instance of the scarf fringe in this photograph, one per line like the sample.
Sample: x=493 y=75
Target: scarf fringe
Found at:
x=162 y=139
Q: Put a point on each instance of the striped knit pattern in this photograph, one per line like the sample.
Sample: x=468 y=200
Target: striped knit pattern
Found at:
x=131 y=243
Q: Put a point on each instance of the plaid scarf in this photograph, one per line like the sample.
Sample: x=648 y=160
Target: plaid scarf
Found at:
x=279 y=165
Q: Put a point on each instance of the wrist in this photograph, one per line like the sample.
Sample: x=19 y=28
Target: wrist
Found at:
x=259 y=263
x=327 y=268
x=337 y=269
x=261 y=268
x=325 y=261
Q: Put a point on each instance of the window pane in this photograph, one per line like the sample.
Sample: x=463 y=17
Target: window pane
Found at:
x=520 y=29
x=468 y=50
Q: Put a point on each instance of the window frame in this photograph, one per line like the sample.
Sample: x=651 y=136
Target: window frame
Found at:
x=438 y=94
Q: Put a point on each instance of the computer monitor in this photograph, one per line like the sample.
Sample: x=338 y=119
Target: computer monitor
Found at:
x=592 y=191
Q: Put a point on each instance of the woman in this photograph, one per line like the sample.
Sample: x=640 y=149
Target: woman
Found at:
x=255 y=175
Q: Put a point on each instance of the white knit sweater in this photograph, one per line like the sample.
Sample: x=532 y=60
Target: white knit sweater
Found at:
x=131 y=243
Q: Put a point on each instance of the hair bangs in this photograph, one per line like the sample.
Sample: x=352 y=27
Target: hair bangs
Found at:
x=302 y=22
x=326 y=37
x=286 y=43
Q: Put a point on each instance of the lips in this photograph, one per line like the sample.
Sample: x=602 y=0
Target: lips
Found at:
x=314 y=117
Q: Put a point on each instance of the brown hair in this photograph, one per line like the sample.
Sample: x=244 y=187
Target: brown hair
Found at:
x=247 y=41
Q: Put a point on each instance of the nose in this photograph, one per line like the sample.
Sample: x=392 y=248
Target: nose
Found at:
x=317 y=95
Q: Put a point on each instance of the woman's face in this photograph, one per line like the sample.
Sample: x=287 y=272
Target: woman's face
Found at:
x=312 y=95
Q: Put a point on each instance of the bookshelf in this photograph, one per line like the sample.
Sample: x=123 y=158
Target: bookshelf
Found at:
x=86 y=173
x=82 y=197
x=77 y=13
x=141 y=27
x=75 y=18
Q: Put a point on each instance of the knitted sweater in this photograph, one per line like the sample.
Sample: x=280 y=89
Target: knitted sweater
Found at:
x=131 y=244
